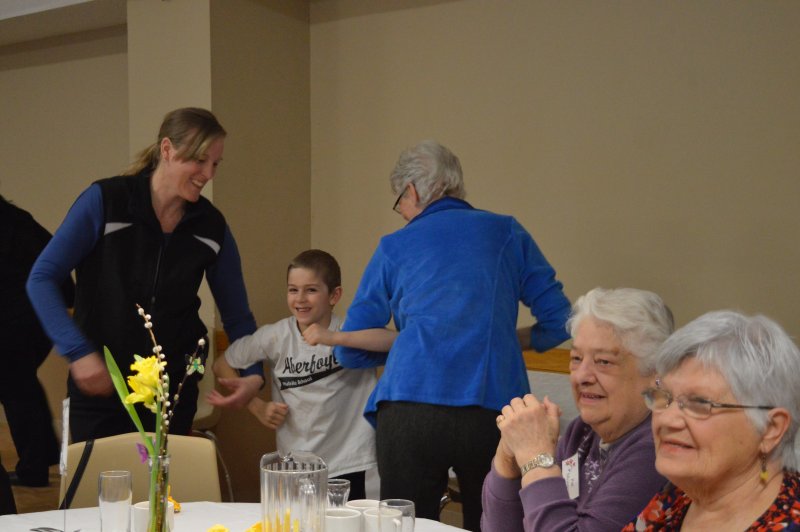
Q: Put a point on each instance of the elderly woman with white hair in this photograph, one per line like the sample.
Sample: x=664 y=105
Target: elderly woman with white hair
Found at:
x=725 y=416
x=451 y=280
x=601 y=472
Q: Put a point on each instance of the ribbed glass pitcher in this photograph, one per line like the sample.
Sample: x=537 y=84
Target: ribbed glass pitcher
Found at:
x=294 y=491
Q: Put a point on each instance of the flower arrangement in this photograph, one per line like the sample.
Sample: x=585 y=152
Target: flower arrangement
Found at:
x=149 y=385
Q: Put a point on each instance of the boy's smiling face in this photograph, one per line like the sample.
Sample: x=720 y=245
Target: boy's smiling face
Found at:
x=309 y=299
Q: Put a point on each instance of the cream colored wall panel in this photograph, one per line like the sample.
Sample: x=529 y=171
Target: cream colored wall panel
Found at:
x=64 y=116
x=169 y=62
x=260 y=60
x=646 y=144
x=260 y=90
x=65 y=124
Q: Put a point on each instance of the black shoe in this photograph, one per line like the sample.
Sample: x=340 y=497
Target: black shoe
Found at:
x=15 y=480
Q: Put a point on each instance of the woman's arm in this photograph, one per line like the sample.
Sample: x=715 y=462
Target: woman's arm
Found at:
x=378 y=340
x=370 y=309
x=72 y=242
x=226 y=281
x=542 y=293
x=227 y=286
x=622 y=489
x=502 y=508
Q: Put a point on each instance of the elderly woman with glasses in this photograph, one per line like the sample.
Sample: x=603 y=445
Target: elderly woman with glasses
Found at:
x=452 y=280
x=725 y=415
x=601 y=472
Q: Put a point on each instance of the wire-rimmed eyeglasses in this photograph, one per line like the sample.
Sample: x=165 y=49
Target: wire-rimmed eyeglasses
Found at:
x=397 y=203
x=658 y=400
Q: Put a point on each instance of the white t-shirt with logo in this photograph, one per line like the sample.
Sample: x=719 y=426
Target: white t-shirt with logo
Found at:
x=326 y=401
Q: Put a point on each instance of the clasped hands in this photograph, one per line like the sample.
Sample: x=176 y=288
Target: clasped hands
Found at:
x=528 y=427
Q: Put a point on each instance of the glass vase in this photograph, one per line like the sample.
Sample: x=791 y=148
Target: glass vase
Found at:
x=159 y=494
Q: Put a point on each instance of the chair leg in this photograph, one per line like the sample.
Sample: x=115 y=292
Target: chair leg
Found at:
x=453 y=493
x=211 y=436
x=443 y=502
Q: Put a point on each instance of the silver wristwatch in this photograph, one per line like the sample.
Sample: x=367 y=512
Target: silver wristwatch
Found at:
x=543 y=460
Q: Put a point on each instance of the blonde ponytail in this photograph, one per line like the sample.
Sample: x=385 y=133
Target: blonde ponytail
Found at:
x=147 y=158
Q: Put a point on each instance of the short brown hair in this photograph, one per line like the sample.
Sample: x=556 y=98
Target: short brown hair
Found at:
x=320 y=262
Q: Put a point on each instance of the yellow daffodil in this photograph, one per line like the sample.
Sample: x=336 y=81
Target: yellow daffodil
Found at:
x=149 y=385
x=146 y=382
x=148 y=368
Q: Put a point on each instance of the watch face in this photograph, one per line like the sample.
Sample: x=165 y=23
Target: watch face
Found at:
x=545 y=460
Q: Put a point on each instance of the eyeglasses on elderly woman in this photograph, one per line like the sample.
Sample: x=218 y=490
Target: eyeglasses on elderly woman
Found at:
x=659 y=400
x=396 y=206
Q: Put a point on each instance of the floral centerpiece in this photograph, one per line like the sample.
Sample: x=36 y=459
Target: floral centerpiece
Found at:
x=149 y=385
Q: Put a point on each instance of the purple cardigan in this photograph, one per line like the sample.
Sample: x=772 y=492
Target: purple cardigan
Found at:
x=610 y=495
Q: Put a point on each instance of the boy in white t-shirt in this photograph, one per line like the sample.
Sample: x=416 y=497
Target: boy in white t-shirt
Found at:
x=317 y=405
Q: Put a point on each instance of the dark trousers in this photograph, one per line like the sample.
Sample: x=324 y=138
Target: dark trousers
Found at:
x=27 y=409
x=358 y=488
x=418 y=443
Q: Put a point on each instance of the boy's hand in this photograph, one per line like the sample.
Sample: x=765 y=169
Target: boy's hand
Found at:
x=316 y=334
x=243 y=389
x=271 y=414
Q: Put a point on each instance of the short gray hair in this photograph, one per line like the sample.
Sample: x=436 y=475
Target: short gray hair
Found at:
x=755 y=356
x=433 y=169
x=640 y=319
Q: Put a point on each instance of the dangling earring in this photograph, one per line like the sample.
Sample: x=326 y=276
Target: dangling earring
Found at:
x=763 y=475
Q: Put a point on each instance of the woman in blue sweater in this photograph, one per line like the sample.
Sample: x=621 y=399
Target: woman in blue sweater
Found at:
x=451 y=280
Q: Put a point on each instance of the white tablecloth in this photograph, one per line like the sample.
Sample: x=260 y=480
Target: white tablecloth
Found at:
x=194 y=517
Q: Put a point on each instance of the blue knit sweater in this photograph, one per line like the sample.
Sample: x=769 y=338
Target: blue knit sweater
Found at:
x=452 y=280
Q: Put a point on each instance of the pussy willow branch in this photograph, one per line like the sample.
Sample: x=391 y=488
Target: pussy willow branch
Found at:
x=164 y=381
x=183 y=381
x=165 y=419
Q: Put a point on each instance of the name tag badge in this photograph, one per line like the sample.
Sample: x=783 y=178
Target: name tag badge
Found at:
x=569 y=470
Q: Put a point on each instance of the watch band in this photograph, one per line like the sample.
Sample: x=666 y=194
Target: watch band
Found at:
x=543 y=460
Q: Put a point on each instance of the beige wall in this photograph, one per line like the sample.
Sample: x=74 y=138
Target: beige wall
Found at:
x=650 y=144
x=260 y=91
x=64 y=116
x=260 y=64
x=647 y=144
x=77 y=107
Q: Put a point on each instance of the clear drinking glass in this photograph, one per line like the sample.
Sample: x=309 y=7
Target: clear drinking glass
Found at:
x=114 y=497
x=396 y=515
x=338 y=492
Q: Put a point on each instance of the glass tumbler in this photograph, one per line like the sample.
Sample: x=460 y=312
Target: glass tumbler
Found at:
x=114 y=497
x=338 y=492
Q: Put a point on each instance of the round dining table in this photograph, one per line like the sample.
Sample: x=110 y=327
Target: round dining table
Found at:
x=193 y=517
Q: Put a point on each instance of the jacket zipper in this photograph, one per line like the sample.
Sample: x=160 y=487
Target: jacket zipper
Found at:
x=151 y=310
